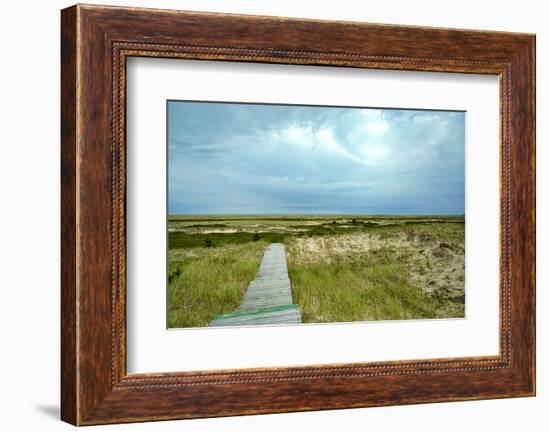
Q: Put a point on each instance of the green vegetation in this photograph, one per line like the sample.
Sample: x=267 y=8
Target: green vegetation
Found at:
x=415 y=273
x=342 y=268
x=369 y=288
x=209 y=281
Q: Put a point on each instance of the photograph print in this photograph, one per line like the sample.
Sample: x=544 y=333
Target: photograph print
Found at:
x=294 y=214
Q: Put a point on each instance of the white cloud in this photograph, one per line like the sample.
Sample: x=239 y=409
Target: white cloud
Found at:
x=376 y=152
x=374 y=122
x=276 y=158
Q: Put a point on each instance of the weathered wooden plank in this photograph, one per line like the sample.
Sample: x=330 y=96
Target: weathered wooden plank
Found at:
x=268 y=299
x=262 y=304
x=272 y=286
x=264 y=316
x=269 y=296
x=280 y=316
x=272 y=293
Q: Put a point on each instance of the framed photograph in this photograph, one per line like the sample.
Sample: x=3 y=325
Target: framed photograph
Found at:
x=264 y=214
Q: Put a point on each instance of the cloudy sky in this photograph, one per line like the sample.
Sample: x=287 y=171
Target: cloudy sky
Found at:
x=226 y=158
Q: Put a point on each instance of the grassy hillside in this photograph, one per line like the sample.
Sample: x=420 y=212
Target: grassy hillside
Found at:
x=342 y=268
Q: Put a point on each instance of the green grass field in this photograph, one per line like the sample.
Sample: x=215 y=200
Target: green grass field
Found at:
x=342 y=268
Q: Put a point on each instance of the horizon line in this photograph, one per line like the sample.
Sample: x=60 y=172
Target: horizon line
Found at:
x=318 y=214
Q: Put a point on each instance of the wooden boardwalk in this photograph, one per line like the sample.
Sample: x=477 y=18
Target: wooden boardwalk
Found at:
x=268 y=299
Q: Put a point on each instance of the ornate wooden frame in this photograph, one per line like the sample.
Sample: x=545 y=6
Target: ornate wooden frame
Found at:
x=95 y=43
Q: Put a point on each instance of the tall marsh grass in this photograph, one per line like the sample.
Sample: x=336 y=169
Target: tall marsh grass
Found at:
x=208 y=281
x=341 y=269
x=370 y=287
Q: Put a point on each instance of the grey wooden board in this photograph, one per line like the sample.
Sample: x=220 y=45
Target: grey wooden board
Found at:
x=267 y=298
x=264 y=304
x=271 y=288
x=270 y=318
x=267 y=295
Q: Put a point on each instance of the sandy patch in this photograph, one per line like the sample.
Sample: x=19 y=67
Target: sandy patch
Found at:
x=328 y=248
x=434 y=266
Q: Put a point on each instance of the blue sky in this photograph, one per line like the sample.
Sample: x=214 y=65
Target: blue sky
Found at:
x=226 y=158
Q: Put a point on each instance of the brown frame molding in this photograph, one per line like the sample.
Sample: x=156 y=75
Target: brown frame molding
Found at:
x=95 y=43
